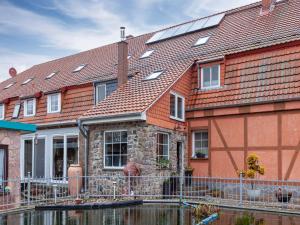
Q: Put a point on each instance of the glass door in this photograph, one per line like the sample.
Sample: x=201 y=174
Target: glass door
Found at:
x=39 y=158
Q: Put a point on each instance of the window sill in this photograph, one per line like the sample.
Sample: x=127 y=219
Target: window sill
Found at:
x=178 y=119
x=113 y=168
x=199 y=159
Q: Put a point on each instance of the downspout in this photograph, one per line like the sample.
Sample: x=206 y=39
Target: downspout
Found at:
x=85 y=133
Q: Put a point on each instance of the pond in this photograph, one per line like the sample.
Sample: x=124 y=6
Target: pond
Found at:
x=142 y=215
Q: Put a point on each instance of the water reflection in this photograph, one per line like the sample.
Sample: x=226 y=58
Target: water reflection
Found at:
x=142 y=215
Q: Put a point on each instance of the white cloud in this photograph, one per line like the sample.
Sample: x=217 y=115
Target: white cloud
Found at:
x=196 y=7
x=21 y=61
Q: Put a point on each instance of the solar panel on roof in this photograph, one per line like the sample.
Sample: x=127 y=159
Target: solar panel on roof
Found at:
x=183 y=29
x=156 y=36
x=198 y=25
x=214 y=20
x=186 y=28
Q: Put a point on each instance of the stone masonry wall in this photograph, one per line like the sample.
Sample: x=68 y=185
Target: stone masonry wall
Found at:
x=12 y=140
x=142 y=147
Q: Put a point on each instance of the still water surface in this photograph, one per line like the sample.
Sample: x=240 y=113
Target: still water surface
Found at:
x=142 y=215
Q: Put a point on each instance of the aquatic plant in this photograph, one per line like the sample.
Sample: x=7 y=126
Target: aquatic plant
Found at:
x=203 y=211
x=248 y=219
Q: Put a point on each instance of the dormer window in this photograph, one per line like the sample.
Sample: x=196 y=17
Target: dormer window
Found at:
x=201 y=41
x=2 y=108
x=54 y=103
x=147 y=54
x=27 y=81
x=51 y=75
x=154 y=75
x=29 y=107
x=79 y=68
x=210 y=77
x=103 y=90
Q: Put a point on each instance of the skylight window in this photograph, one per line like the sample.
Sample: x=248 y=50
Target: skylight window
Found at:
x=147 y=54
x=154 y=75
x=27 y=81
x=129 y=56
x=51 y=75
x=79 y=68
x=8 y=86
x=202 y=41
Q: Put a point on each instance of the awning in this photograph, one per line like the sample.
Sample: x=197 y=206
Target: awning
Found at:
x=17 y=126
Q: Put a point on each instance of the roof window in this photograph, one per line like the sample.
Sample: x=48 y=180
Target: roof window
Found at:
x=147 y=54
x=8 y=86
x=154 y=75
x=201 y=41
x=27 y=81
x=51 y=75
x=79 y=68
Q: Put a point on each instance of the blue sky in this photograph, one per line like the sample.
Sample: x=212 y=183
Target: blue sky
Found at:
x=35 y=31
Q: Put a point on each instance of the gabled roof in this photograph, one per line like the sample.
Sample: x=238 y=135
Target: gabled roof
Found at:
x=240 y=30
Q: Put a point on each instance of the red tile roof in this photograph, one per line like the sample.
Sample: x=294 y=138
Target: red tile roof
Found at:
x=241 y=29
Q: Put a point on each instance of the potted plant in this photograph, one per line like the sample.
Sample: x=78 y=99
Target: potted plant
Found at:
x=163 y=163
x=188 y=173
x=283 y=195
x=254 y=169
x=199 y=154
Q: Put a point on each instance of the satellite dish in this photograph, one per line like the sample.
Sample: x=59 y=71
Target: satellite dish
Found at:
x=12 y=72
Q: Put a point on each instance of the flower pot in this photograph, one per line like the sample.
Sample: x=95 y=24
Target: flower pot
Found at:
x=283 y=196
x=75 y=179
x=253 y=194
x=188 y=177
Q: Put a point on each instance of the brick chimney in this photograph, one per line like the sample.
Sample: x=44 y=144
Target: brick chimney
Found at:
x=122 y=58
x=267 y=6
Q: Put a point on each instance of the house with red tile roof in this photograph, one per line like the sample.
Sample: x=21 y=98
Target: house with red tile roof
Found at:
x=205 y=93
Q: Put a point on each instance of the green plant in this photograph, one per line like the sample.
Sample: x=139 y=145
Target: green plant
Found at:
x=7 y=189
x=203 y=211
x=248 y=219
x=163 y=163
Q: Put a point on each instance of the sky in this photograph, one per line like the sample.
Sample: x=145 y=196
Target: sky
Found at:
x=36 y=31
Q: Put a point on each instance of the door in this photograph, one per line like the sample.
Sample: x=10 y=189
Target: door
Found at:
x=179 y=156
x=39 y=158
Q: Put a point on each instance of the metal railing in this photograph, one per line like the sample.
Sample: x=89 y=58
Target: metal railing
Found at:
x=237 y=192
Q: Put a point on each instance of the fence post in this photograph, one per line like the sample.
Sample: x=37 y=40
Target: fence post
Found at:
x=114 y=194
x=77 y=186
x=28 y=188
x=241 y=188
x=55 y=193
x=129 y=185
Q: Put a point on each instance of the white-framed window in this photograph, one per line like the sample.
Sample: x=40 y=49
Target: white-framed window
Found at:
x=176 y=106
x=210 y=77
x=29 y=107
x=100 y=92
x=2 y=111
x=115 y=149
x=16 y=111
x=162 y=146
x=64 y=153
x=34 y=157
x=54 y=103
x=200 y=144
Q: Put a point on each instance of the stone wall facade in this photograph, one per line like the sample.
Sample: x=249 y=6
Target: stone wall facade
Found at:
x=142 y=147
x=11 y=139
